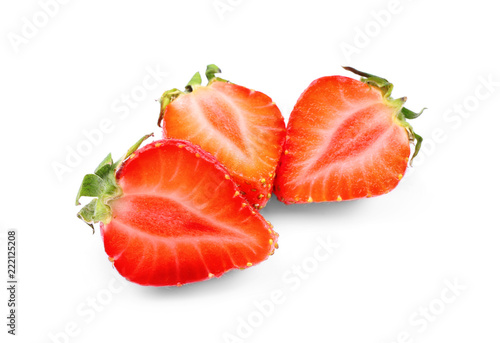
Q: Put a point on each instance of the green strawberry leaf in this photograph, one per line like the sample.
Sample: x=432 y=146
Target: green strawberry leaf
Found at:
x=103 y=187
x=402 y=113
x=92 y=186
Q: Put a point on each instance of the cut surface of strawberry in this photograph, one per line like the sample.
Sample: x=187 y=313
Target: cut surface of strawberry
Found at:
x=170 y=214
x=242 y=128
x=346 y=139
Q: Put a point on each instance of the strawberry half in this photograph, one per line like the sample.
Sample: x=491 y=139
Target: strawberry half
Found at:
x=242 y=128
x=346 y=139
x=170 y=214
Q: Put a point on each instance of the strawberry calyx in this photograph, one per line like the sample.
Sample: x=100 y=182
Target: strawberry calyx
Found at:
x=402 y=113
x=102 y=186
x=195 y=82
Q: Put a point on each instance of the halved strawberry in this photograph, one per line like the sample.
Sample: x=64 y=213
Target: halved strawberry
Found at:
x=171 y=214
x=242 y=128
x=346 y=139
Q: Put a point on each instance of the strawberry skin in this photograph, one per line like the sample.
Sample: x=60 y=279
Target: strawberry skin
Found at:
x=242 y=128
x=177 y=217
x=346 y=139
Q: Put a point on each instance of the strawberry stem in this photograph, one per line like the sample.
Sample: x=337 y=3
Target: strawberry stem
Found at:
x=386 y=88
x=212 y=69
x=169 y=96
x=166 y=98
x=103 y=187
x=195 y=81
x=373 y=80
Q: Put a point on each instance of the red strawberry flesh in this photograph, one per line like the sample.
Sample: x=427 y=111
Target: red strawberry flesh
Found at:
x=242 y=128
x=180 y=218
x=345 y=140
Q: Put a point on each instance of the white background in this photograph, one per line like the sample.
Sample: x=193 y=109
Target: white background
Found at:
x=396 y=254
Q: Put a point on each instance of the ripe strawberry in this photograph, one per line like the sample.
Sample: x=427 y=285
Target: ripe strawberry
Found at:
x=242 y=128
x=171 y=214
x=346 y=139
